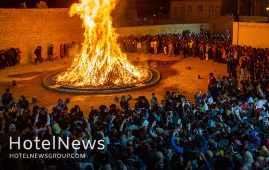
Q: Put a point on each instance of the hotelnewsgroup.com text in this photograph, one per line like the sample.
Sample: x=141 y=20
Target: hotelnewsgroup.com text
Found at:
x=46 y=155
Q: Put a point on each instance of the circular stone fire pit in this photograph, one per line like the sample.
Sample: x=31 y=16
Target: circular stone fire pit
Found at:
x=48 y=83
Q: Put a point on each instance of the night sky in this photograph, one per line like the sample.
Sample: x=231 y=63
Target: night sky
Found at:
x=142 y=6
x=57 y=3
x=31 y=3
x=67 y=3
x=161 y=6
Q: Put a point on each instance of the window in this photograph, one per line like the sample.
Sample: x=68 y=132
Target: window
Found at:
x=210 y=9
x=217 y=9
x=200 y=8
x=182 y=9
x=189 y=8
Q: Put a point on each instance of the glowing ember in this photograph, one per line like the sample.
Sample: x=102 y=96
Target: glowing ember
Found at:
x=100 y=62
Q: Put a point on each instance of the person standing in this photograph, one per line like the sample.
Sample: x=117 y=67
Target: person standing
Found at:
x=223 y=57
x=61 y=51
x=190 y=44
x=235 y=51
x=2 y=60
x=18 y=56
x=51 y=48
x=207 y=51
x=6 y=98
x=153 y=100
x=242 y=64
x=212 y=81
x=181 y=49
x=194 y=47
x=171 y=48
x=155 y=45
x=164 y=44
x=185 y=49
x=38 y=54
x=201 y=51
x=134 y=47
x=214 y=51
x=65 y=50
x=139 y=47
x=232 y=66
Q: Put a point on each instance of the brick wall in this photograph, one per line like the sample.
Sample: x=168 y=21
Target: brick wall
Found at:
x=28 y=28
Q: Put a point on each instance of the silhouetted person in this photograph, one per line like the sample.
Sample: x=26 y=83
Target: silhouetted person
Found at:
x=38 y=54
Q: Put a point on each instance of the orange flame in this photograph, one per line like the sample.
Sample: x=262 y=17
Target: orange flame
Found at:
x=100 y=62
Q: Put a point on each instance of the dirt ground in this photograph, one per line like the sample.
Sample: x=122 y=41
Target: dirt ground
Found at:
x=174 y=74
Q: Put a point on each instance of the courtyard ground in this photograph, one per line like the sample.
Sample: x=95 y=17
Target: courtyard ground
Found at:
x=28 y=78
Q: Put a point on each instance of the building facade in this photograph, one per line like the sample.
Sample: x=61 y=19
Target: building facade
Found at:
x=149 y=12
x=191 y=11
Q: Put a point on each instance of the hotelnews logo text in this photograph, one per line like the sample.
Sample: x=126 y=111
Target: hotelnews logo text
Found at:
x=56 y=144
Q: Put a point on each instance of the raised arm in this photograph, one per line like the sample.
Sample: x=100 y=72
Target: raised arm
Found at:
x=177 y=148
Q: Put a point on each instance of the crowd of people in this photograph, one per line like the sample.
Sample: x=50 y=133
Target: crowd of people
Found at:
x=225 y=128
x=218 y=48
x=182 y=44
x=10 y=57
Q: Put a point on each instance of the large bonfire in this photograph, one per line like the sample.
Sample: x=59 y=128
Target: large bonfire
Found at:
x=100 y=61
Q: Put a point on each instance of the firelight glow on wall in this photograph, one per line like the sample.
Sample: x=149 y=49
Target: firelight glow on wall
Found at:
x=267 y=9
